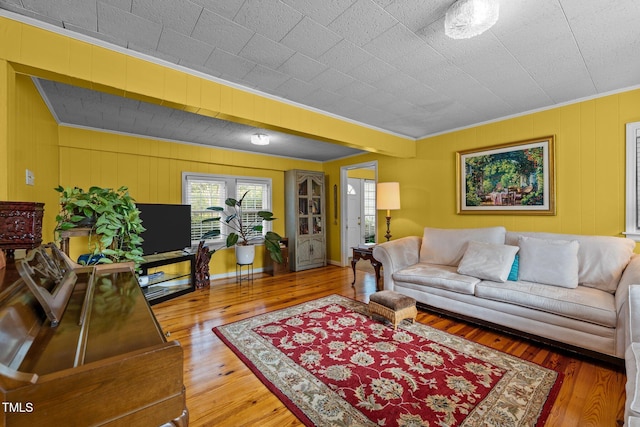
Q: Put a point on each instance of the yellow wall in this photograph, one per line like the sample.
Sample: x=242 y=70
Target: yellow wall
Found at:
x=590 y=171
x=31 y=143
x=152 y=170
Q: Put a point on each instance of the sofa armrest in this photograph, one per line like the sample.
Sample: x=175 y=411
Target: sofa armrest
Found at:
x=630 y=276
x=624 y=306
x=634 y=313
x=396 y=255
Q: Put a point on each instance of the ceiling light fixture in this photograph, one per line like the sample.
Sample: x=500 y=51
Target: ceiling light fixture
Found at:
x=259 y=139
x=469 y=18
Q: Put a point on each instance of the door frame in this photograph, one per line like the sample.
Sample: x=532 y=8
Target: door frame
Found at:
x=344 y=246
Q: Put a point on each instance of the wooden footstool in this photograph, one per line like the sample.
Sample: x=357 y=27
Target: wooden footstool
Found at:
x=392 y=306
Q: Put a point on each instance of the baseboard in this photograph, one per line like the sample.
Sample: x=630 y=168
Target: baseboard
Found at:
x=233 y=274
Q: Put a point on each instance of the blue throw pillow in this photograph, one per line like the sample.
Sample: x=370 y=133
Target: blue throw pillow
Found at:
x=513 y=274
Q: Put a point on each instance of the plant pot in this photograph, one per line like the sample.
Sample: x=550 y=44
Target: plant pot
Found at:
x=245 y=254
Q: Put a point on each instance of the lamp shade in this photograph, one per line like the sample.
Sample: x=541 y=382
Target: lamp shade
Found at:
x=388 y=195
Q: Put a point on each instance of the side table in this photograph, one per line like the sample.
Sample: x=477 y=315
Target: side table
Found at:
x=367 y=254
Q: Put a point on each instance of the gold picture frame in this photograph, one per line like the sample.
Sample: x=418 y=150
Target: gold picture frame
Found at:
x=517 y=178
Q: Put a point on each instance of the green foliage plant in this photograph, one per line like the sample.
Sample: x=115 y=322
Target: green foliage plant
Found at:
x=113 y=220
x=243 y=232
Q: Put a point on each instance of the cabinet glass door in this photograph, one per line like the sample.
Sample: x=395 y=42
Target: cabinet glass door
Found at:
x=304 y=206
x=309 y=206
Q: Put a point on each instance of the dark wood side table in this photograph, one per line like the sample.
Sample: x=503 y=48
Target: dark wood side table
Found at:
x=365 y=253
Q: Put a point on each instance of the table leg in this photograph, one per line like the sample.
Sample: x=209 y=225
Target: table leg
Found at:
x=376 y=267
x=353 y=267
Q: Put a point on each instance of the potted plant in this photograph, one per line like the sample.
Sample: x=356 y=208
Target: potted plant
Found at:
x=111 y=217
x=243 y=232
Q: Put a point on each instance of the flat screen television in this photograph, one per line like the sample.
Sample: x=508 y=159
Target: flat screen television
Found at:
x=168 y=227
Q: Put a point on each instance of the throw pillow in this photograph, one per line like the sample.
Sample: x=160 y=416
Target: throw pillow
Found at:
x=446 y=246
x=513 y=274
x=487 y=261
x=551 y=262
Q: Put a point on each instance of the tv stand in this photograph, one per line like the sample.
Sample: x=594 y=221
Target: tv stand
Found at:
x=176 y=278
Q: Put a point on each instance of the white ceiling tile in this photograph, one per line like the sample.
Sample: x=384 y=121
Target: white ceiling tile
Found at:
x=362 y=22
x=358 y=90
x=310 y=38
x=227 y=63
x=221 y=32
x=125 y=5
x=417 y=14
x=152 y=53
x=266 y=52
x=344 y=56
x=332 y=80
x=266 y=77
x=179 y=16
x=295 y=89
x=123 y=25
x=227 y=8
x=372 y=71
x=272 y=19
x=183 y=47
x=94 y=34
x=395 y=42
x=323 y=11
x=302 y=67
x=81 y=14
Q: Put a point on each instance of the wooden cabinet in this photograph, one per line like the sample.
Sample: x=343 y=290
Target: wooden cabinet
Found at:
x=305 y=219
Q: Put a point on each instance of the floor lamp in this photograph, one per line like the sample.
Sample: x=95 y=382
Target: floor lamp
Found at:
x=388 y=197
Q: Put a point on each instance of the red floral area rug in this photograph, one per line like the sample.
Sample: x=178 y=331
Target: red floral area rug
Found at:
x=333 y=366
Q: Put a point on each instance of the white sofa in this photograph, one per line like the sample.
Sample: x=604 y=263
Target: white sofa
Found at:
x=570 y=289
x=632 y=360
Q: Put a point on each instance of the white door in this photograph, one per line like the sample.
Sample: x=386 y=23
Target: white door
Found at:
x=354 y=212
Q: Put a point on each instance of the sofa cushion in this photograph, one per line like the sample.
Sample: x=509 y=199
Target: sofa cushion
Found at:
x=551 y=262
x=487 y=261
x=582 y=303
x=437 y=276
x=447 y=246
x=601 y=259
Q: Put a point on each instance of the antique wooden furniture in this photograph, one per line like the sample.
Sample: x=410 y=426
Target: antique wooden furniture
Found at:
x=365 y=253
x=275 y=268
x=20 y=225
x=305 y=219
x=98 y=358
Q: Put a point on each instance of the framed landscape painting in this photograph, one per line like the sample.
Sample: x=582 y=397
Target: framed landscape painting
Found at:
x=514 y=178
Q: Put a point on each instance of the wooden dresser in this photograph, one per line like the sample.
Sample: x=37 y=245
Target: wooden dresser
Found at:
x=81 y=346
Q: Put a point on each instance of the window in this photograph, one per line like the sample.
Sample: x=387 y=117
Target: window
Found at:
x=633 y=181
x=369 y=205
x=202 y=191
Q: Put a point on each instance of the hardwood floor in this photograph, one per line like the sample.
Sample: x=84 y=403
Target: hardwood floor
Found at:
x=222 y=391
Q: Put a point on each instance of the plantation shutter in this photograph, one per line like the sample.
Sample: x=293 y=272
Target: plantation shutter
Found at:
x=202 y=191
x=201 y=194
x=633 y=181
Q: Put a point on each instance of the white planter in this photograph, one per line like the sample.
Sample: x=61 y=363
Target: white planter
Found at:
x=245 y=254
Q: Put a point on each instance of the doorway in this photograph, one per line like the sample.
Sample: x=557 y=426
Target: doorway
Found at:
x=358 y=212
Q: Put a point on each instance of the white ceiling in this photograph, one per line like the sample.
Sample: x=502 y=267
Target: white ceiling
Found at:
x=383 y=63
